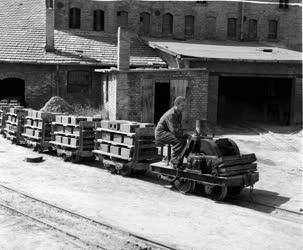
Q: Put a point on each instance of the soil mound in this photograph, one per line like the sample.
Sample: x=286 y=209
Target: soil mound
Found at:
x=57 y=105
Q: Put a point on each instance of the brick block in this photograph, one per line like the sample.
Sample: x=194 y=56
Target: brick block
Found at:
x=128 y=140
x=35 y=123
x=106 y=136
x=104 y=147
x=65 y=119
x=105 y=124
x=37 y=133
x=40 y=124
x=58 y=138
x=127 y=152
x=59 y=118
x=74 y=142
x=66 y=140
x=76 y=131
x=147 y=125
x=29 y=131
x=77 y=119
x=118 y=138
x=129 y=127
x=29 y=122
x=115 y=150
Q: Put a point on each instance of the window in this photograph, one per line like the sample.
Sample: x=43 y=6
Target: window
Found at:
x=273 y=29
x=74 y=18
x=189 y=25
x=98 y=20
x=50 y=4
x=252 y=29
x=210 y=27
x=145 y=23
x=283 y=4
x=78 y=81
x=232 y=27
x=167 y=24
x=122 y=19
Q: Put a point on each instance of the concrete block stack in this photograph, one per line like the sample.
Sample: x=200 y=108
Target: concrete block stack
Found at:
x=122 y=139
x=75 y=131
x=38 y=125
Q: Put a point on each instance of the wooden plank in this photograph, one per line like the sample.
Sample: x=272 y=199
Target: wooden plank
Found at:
x=147 y=100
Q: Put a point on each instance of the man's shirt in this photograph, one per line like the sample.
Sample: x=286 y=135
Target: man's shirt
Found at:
x=171 y=121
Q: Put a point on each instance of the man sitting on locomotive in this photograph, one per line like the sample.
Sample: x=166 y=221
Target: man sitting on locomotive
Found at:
x=169 y=129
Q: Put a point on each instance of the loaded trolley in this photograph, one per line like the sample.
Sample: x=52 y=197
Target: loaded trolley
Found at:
x=37 y=131
x=126 y=147
x=73 y=137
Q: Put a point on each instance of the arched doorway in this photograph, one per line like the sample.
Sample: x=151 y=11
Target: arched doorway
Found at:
x=13 y=88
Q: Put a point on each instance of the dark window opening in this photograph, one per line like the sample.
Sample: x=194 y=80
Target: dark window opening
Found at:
x=167 y=24
x=50 y=4
x=78 y=82
x=144 y=23
x=13 y=89
x=122 y=19
x=232 y=27
x=283 y=4
x=74 y=18
x=273 y=29
x=254 y=99
x=189 y=25
x=210 y=28
x=252 y=29
x=98 y=20
x=162 y=99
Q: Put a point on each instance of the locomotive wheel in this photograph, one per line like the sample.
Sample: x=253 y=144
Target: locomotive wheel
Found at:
x=75 y=158
x=125 y=171
x=184 y=186
x=65 y=157
x=39 y=149
x=217 y=192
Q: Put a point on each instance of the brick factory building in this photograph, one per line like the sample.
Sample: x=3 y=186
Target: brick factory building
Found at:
x=232 y=60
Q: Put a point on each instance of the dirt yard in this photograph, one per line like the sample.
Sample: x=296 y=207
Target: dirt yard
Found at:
x=144 y=206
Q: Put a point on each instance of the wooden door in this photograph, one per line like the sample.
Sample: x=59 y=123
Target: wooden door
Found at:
x=179 y=88
x=147 y=101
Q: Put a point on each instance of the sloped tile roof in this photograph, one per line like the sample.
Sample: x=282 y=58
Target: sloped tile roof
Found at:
x=22 y=40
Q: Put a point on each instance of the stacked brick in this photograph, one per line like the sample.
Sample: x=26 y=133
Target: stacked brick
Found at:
x=5 y=105
x=75 y=132
x=38 y=126
x=14 y=124
x=125 y=140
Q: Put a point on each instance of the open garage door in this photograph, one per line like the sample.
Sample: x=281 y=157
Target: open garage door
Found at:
x=257 y=99
x=12 y=88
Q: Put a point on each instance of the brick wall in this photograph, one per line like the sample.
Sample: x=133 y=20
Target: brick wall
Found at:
x=129 y=93
x=41 y=83
x=289 y=20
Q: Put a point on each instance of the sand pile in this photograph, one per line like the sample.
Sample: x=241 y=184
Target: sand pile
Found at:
x=57 y=105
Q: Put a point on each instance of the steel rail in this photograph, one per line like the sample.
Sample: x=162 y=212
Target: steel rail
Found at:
x=77 y=215
x=50 y=226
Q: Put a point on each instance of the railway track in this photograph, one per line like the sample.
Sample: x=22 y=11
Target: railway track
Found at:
x=273 y=211
x=83 y=231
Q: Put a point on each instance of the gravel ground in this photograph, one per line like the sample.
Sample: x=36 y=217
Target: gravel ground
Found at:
x=145 y=207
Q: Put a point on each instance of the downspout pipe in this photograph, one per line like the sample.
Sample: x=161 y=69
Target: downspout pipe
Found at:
x=242 y=22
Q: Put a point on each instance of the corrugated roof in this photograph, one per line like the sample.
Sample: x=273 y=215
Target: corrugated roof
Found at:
x=22 y=40
x=226 y=51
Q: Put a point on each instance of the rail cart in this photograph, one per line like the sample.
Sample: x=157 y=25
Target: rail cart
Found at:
x=14 y=125
x=37 y=132
x=125 y=147
x=73 y=138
